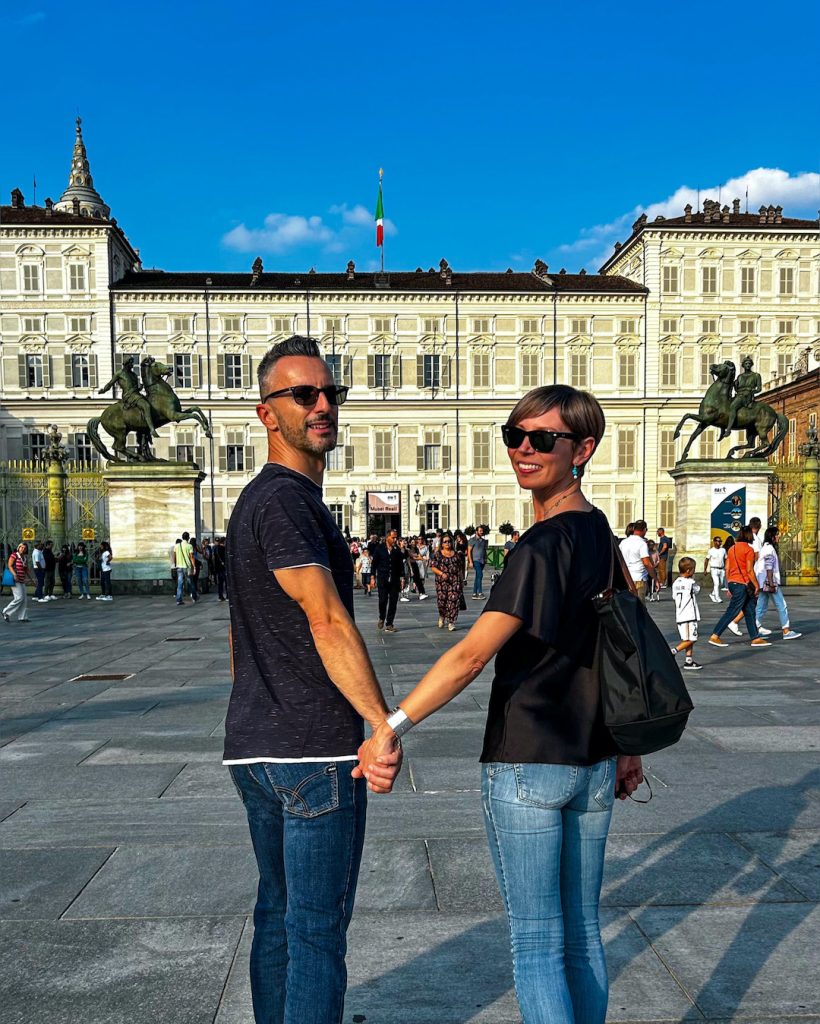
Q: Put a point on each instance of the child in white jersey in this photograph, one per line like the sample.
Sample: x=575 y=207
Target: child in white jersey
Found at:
x=687 y=613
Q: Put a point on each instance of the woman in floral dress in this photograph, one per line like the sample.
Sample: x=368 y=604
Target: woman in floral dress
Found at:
x=448 y=568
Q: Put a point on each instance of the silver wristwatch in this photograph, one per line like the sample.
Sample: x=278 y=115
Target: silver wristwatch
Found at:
x=399 y=722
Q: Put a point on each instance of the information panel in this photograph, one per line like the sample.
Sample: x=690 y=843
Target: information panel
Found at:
x=728 y=510
x=383 y=503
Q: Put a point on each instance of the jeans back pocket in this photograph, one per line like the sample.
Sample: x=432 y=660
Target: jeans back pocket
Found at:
x=306 y=790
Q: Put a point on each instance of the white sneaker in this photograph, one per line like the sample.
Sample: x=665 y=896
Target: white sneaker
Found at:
x=763 y=631
x=734 y=628
x=791 y=635
x=100 y=598
x=423 y=597
x=404 y=598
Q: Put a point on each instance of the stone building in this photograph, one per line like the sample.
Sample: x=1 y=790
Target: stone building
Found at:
x=434 y=358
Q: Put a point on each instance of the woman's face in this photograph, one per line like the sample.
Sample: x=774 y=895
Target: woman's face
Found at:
x=538 y=471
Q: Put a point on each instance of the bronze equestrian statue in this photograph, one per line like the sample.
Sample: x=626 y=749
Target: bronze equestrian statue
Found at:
x=141 y=414
x=731 y=406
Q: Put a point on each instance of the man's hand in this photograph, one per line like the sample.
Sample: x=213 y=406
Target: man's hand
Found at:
x=380 y=760
x=628 y=776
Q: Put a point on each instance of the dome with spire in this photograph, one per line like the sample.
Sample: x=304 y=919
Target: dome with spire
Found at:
x=81 y=196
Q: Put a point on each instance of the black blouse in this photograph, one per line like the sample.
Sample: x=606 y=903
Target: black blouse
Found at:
x=545 y=705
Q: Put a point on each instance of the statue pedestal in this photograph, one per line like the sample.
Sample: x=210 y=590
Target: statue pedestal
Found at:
x=150 y=505
x=715 y=497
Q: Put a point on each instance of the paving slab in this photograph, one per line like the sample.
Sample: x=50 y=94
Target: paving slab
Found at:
x=87 y=782
x=31 y=750
x=762 y=740
x=795 y=856
x=43 y=883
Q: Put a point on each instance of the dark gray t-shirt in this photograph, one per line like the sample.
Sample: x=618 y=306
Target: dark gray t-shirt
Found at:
x=478 y=549
x=283 y=705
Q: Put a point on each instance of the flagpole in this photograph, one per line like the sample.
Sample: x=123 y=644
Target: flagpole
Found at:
x=381 y=194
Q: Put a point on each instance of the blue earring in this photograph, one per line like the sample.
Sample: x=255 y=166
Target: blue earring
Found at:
x=574 y=472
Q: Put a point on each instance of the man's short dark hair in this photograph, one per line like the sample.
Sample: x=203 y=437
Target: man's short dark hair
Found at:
x=295 y=346
x=639 y=524
x=186 y=536
x=754 y=521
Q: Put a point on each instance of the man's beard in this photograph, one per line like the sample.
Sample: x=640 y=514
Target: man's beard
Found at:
x=300 y=437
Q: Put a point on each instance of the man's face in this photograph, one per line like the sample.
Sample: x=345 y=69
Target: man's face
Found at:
x=480 y=531
x=392 y=537
x=311 y=429
x=660 y=533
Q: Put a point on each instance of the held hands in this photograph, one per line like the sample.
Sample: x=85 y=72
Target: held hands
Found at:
x=628 y=776
x=380 y=760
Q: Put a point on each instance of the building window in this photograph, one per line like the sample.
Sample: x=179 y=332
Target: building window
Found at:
x=383 y=449
x=232 y=324
x=578 y=326
x=32 y=325
x=181 y=324
x=746 y=326
x=482 y=513
x=626 y=448
x=76 y=277
x=785 y=327
x=529 y=370
x=432 y=326
x=34 y=445
x=431 y=456
x=786 y=281
x=792 y=438
x=282 y=325
x=531 y=326
x=335 y=458
x=333 y=324
x=334 y=362
x=432 y=371
x=235 y=454
x=31 y=277
x=627 y=369
x=709 y=326
x=432 y=516
x=481 y=369
x=481 y=326
x=382 y=370
x=183 y=370
x=707 y=359
x=670 y=280
x=578 y=369
x=78 y=324
x=130 y=324
x=84 y=451
x=709 y=280
x=667 y=448
x=184 y=453
x=707 y=444
x=669 y=369
x=337 y=511
x=666 y=513
x=527 y=515
x=747 y=280
x=481 y=449
x=34 y=371
x=80 y=372
x=233 y=370
x=383 y=325
x=669 y=325
x=624 y=513
x=785 y=363
x=627 y=326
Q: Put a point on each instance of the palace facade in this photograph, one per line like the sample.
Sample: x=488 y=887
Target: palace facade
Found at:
x=435 y=358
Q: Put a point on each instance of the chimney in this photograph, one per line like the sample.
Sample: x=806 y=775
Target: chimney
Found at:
x=762 y=212
x=49 y=207
x=770 y=215
x=735 y=207
x=445 y=272
x=541 y=270
x=351 y=270
x=582 y=272
x=17 y=199
x=618 y=245
x=256 y=271
x=778 y=214
x=687 y=213
x=725 y=214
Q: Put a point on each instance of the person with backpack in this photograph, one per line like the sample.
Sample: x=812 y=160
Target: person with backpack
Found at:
x=551 y=770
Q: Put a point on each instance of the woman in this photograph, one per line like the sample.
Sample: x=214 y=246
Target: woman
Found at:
x=767 y=571
x=18 y=566
x=447 y=567
x=715 y=565
x=417 y=567
x=461 y=546
x=743 y=587
x=106 y=558
x=654 y=583
x=79 y=561
x=65 y=567
x=549 y=765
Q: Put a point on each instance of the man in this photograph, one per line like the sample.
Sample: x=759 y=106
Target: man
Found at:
x=218 y=557
x=38 y=562
x=636 y=555
x=757 y=543
x=477 y=559
x=302 y=682
x=664 y=548
x=51 y=570
x=388 y=568
x=747 y=385
x=510 y=545
x=131 y=397
x=185 y=568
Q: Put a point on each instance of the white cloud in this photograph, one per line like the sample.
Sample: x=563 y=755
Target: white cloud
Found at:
x=281 y=232
x=798 y=194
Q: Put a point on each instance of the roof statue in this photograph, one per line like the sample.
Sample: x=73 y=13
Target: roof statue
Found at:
x=81 y=184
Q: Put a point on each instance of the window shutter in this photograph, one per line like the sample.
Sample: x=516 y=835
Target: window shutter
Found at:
x=69 y=376
x=371 y=371
x=419 y=456
x=444 y=514
x=348 y=456
x=348 y=370
x=195 y=360
x=46 y=371
x=248 y=458
x=419 y=371
x=446 y=456
x=118 y=361
x=246 y=371
x=92 y=371
x=220 y=371
x=395 y=370
x=223 y=458
x=199 y=455
x=445 y=371
x=422 y=516
x=22 y=374
x=172 y=378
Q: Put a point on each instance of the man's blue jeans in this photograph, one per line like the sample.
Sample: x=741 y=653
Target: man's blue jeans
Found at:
x=547 y=825
x=741 y=600
x=181 y=577
x=479 y=577
x=40 y=576
x=307 y=827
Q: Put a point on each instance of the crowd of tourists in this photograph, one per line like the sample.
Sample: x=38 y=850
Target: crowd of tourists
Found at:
x=44 y=567
x=198 y=567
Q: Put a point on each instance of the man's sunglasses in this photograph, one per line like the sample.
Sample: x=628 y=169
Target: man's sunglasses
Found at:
x=541 y=440
x=307 y=395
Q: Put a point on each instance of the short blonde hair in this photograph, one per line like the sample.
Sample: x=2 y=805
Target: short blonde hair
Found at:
x=685 y=564
x=580 y=410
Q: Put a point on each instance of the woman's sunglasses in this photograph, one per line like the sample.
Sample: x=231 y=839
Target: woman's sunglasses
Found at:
x=307 y=395
x=541 y=440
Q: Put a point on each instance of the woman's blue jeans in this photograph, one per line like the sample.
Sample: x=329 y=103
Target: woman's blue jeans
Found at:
x=547 y=825
x=81 y=576
x=307 y=827
x=779 y=603
x=741 y=600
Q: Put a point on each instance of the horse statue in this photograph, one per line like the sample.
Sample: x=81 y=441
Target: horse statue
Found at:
x=757 y=418
x=123 y=417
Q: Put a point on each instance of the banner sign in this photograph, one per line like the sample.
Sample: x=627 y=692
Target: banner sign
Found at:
x=383 y=503
x=728 y=510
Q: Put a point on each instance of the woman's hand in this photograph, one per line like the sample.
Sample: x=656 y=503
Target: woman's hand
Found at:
x=628 y=775
x=380 y=760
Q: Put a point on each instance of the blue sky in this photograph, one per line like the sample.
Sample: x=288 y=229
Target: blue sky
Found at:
x=218 y=132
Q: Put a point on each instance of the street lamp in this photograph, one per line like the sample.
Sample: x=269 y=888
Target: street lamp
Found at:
x=353 y=497
x=208 y=283
x=417 y=498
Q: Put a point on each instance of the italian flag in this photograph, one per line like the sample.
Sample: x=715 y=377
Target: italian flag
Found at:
x=379 y=216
